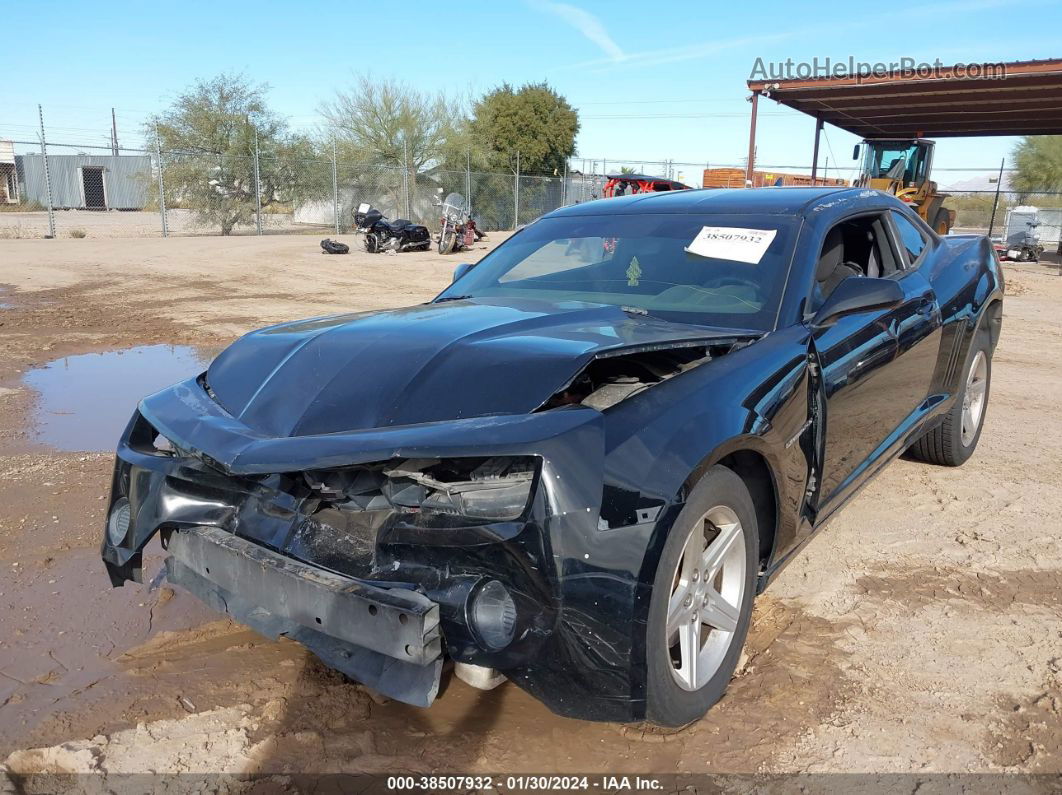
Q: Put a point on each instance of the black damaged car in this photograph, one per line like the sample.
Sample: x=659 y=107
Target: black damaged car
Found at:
x=576 y=467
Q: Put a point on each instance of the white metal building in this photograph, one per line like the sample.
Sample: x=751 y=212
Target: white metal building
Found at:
x=87 y=182
x=8 y=174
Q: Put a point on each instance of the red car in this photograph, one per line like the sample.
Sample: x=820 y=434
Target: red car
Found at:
x=628 y=184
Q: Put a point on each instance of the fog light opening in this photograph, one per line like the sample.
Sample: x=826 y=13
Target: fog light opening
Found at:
x=493 y=616
x=118 y=522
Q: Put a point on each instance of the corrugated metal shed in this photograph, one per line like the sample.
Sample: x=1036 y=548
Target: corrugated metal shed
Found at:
x=112 y=182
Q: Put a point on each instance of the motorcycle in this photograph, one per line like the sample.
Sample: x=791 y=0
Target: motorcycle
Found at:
x=1022 y=246
x=380 y=234
x=457 y=228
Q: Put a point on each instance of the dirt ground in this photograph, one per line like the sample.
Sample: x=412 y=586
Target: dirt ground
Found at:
x=921 y=632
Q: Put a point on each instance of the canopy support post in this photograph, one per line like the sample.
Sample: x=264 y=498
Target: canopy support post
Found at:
x=752 y=140
x=815 y=151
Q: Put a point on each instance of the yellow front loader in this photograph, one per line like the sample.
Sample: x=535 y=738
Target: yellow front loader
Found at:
x=902 y=167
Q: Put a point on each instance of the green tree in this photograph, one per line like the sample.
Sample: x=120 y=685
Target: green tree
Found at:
x=1038 y=164
x=382 y=126
x=533 y=120
x=208 y=141
x=384 y=122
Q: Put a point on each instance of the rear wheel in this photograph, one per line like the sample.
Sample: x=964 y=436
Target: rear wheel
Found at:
x=702 y=600
x=955 y=439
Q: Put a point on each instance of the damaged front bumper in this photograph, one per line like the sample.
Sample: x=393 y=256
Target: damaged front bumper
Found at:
x=378 y=594
x=388 y=638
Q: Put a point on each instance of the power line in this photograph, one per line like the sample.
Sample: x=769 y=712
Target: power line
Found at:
x=680 y=115
x=684 y=101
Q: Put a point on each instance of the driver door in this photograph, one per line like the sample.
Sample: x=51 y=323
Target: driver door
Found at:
x=875 y=370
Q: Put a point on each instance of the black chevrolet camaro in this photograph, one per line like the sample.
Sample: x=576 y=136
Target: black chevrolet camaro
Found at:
x=576 y=467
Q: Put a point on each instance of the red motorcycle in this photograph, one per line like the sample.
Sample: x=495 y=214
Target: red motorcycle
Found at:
x=457 y=228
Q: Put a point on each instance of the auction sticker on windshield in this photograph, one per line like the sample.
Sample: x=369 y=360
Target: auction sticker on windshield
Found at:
x=732 y=243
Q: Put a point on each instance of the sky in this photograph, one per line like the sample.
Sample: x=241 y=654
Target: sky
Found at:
x=651 y=82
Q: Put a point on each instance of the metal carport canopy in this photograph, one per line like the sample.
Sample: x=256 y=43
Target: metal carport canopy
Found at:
x=1020 y=98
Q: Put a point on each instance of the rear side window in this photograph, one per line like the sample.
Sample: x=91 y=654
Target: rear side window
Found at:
x=910 y=236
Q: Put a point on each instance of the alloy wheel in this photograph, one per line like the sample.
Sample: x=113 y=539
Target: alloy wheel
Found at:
x=707 y=592
x=973 y=398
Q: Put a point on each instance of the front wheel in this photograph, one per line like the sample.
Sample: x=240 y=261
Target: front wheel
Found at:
x=955 y=439
x=701 y=602
x=447 y=241
x=942 y=222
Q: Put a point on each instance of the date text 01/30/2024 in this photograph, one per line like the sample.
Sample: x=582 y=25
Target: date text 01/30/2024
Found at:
x=524 y=782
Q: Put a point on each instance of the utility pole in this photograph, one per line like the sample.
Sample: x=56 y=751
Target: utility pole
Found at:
x=995 y=203
x=468 y=179
x=335 y=187
x=47 y=176
x=257 y=187
x=162 y=184
x=405 y=175
x=114 y=134
x=516 y=193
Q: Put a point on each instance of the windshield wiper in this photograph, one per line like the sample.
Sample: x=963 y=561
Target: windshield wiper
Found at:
x=451 y=298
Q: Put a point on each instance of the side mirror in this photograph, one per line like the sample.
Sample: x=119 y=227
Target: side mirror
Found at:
x=855 y=152
x=461 y=270
x=858 y=294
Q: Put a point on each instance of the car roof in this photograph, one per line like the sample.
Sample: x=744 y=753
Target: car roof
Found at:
x=767 y=201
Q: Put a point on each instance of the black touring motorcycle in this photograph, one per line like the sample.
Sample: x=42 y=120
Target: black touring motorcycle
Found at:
x=380 y=234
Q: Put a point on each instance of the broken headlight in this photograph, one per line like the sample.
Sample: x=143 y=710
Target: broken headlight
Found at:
x=482 y=489
x=145 y=439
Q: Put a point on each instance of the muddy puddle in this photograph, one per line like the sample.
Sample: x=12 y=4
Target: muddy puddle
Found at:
x=63 y=630
x=86 y=400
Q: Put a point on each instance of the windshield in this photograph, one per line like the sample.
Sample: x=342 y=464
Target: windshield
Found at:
x=455 y=206
x=907 y=157
x=720 y=270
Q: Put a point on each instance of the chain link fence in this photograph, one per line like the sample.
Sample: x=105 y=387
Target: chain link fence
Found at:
x=73 y=190
x=982 y=212
x=58 y=189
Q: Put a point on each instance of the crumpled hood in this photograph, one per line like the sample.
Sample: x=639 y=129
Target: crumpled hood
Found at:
x=446 y=361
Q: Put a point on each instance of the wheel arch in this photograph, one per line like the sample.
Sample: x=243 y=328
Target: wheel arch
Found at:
x=991 y=319
x=753 y=467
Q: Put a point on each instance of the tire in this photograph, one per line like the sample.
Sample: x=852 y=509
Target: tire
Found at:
x=941 y=222
x=675 y=694
x=953 y=441
x=371 y=243
x=447 y=241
